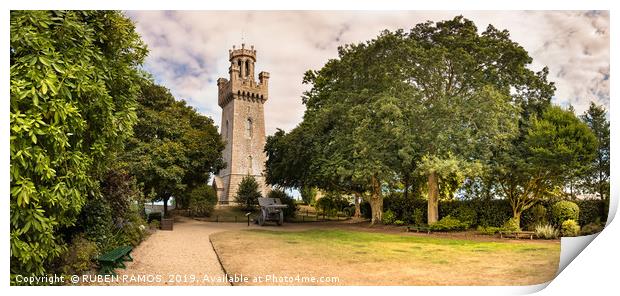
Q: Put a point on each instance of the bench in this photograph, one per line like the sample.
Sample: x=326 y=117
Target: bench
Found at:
x=114 y=259
x=419 y=229
x=517 y=234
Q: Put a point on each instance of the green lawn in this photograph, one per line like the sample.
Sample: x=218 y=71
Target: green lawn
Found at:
x=365 y=258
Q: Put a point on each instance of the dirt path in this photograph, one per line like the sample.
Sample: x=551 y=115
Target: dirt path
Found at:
x=183 y=256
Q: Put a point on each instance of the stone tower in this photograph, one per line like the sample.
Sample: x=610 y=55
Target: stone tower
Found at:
x=243 y=124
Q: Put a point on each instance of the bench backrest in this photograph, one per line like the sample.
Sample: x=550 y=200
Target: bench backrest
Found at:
x=264 y=201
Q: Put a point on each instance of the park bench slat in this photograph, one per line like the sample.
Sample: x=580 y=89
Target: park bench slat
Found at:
x=114 y=259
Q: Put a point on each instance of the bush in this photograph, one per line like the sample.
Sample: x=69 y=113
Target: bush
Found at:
x=154 y=216
x=388 y=217
x=247 y=194
x=546 y=231
x=289 y=212
x=202 y=200
x=79 y=256
x=489 y=230
x=132 y=232
x=154 y=224
x=564 y=210
x=96 y=223
x=448 y=223
x=465 y=214
x=399 y=222
x=493 y=212
x=417 y=218
x=511 y=225
x=570 y=228
x=308 y=195
x=534 y=216
x=366 y=210
x=591 y=228
x=591 y=211
x=121 y=191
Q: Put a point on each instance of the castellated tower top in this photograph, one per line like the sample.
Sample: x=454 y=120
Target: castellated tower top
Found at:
x=242 y=82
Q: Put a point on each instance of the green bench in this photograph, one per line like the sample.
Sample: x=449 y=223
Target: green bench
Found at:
x=419 y=229
x=114 y=259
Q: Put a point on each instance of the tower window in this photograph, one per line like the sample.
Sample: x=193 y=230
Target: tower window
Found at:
x=247 y=68
x=227 y=129
x=249 y=164
x=248 y=128
x=239 y=64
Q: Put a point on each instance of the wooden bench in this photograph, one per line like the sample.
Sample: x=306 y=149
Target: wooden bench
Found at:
x=114 y=259
x=419 y=229
x=517 y=234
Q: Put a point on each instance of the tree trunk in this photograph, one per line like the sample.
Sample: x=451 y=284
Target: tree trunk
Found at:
x=376 y=202
x=517 y=216
x=433 y=198
x=166 y=206
x=358 y=212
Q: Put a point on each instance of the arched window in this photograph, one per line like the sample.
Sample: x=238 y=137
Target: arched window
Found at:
x=250 y=164
x=248 y=128
x=247 y=68
x=239 y=64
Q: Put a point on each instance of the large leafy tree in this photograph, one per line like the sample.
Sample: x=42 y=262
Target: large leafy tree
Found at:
x=598 y=174
x=174 y=149
x=554 y=144
x=73 y=97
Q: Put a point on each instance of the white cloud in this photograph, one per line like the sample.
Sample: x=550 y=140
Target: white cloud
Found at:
x=189 y=49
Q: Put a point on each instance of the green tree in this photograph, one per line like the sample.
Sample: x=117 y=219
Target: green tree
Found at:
x=247 y=194
x=175 y=149
x=308 y=194
x=73 y=95
x=598 y=179
x=535 y=168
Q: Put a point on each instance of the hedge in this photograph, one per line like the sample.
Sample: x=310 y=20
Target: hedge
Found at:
x=493 y=213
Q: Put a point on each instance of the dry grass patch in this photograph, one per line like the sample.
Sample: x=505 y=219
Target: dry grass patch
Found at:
x=364 y=258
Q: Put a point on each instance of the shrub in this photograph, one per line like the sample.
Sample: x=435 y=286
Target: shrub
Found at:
x=465 y=214
x=132 y=232
x=79 y=256
x=493 y=212
x=447 y=223
x=247 y=194
x=591 y=211
x=154 y=224
x=534 y=216
x=121 y=191
x=388 y=217
x=570 y=228
x=365 y=209
x=399 y=222
x=417 y=218
x=308 y=194
x=289 y=212
x=154 y=216
x=96 y=223
x=546 y=231
x=202 y=200
x=489 y=230
x=564 y=210
x=591 y=228
x=511 y=225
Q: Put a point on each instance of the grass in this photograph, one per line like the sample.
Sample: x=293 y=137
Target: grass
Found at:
x=365 y=258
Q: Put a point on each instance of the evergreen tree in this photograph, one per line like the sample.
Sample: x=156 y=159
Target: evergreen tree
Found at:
x=247 y=194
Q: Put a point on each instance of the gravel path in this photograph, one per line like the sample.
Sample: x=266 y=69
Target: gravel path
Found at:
x=180 y=257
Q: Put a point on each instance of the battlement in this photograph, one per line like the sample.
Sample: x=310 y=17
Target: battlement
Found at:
x=242 y=52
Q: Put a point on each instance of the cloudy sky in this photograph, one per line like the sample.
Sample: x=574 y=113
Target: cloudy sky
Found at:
x=189 y=49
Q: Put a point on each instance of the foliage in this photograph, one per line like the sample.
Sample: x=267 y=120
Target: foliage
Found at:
x=79 y=256
x=73 y=86
x=564 y=210
x=488 y=230
x=308 y=195
x=493 y=212
x=591 y=228
x=132 y=232
x=399 y=222
x=570 y=228
x=389 y=217
x=534 y=216
x=417 y=218
x=154 y=224
x=247 y=194
x=591 y=211
x=511 y=225
x=202 y=200
x=448 y=223
x=546 y=231
x=465 y=214
x=95 y=221
x=122 y=193
x=154 y=216
x=175 y=148
x=552 y=146
x=597 y=180
x=291 y=210
x=331 y=203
